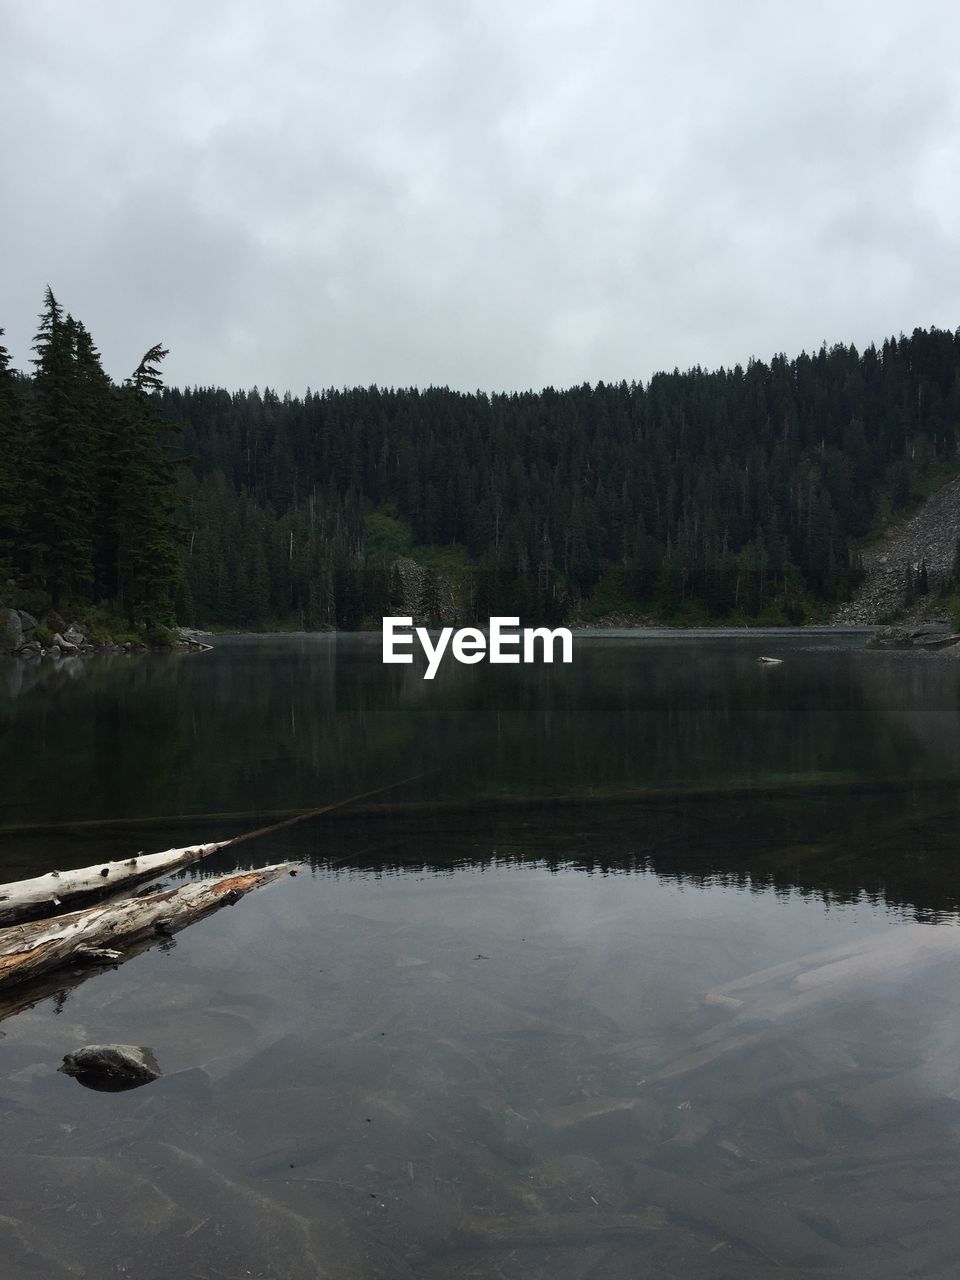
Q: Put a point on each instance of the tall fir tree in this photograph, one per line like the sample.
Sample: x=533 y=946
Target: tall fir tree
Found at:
x=142 y=500
x=62 y=538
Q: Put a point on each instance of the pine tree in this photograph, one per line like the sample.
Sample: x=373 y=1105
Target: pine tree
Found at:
x=62 y=542
x=143 y=498
x=96 y=407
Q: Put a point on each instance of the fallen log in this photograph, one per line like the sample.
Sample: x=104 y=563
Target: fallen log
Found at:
x=48 y=894
x=101 y=934
x=57 y=891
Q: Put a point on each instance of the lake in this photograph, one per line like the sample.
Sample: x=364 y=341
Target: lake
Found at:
x=644 y=966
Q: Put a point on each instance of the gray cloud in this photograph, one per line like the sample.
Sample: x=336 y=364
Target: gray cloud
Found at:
x=487 y=194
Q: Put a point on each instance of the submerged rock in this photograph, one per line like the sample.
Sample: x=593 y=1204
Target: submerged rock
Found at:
x=112 y=1068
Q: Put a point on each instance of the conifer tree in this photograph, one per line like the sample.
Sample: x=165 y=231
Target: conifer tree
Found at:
x=144 y=524
x=62 y=543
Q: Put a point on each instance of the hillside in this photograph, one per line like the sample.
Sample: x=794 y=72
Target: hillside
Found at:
x=928 y=538
x=728 y=495
x=738 y=495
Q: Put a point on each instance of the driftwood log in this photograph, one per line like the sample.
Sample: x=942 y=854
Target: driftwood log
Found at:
x=33 y=950
x=101 y=934
x=50 y=894
x=60 y=890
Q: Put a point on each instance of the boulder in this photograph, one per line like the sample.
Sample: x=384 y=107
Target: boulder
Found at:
x=27 y=621
x=111 y=1068
x=63 y=644
x=11 y=631
x=30 y=650
x=53 y=621
x=75 y=635
x=54 y=651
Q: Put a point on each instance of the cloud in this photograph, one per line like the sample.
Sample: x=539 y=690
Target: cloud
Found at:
x=477 y=194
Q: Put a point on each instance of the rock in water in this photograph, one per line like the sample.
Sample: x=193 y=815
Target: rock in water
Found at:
x=112 y=1068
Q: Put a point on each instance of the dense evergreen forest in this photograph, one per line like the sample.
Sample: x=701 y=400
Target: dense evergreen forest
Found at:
x=702 y=495
x=738 y=494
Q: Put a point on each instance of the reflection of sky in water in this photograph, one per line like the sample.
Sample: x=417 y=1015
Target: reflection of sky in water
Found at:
x=416 y=1057
x=701 y=1039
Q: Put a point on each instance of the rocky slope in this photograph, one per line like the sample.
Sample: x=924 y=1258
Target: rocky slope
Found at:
x=413 y=578
x=929 y=535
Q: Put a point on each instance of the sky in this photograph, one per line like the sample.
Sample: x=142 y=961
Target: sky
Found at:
x=495 y=195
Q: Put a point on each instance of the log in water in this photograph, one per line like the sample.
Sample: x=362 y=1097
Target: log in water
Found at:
x=58 y=890
x=99 y=934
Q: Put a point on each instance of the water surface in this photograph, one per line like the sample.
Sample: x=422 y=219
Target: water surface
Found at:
x=651 y=970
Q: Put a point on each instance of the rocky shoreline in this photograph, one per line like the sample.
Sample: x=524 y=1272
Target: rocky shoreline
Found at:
x=24 y=636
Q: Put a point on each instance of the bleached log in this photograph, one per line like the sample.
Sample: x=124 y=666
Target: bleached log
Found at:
x=60 y=890
x=49 y=894
x=29 y=951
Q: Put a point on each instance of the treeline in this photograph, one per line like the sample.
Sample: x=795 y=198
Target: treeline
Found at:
x=735 y=493
x=89 y=507
x=739 y=493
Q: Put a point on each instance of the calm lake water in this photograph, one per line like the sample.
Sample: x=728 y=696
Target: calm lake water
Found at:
x=648 y=967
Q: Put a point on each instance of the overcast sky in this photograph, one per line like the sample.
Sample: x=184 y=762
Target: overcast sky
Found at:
x=501 y=194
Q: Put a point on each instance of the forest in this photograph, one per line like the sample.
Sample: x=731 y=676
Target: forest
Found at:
x=90 y=513
x=738 y=494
